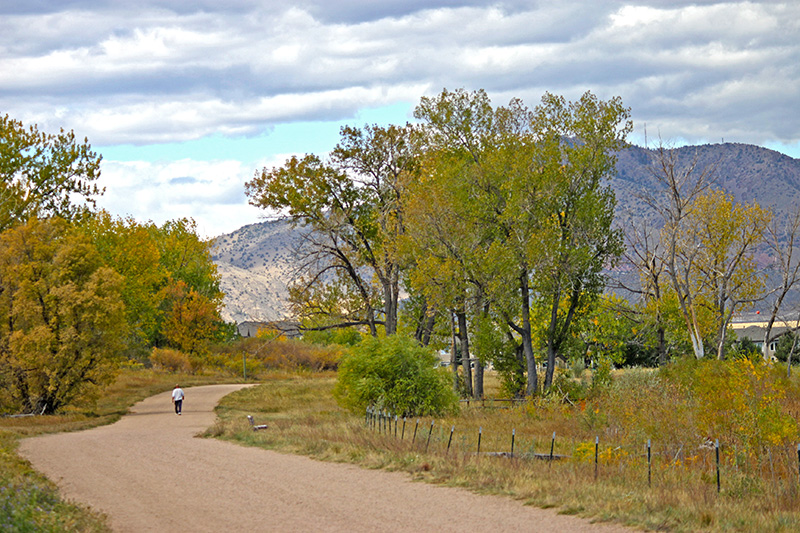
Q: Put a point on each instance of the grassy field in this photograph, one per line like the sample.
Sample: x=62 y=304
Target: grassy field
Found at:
x=28 y=501
x=681 y=494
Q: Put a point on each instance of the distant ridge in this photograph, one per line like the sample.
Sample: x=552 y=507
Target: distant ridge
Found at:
x=256 y=264
x=750 y=173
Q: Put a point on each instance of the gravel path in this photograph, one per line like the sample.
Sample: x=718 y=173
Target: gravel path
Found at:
x=148 y=472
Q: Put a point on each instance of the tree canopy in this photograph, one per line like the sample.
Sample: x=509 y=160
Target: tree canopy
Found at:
x=62 y=316
x=44 y=174
x=499 y=214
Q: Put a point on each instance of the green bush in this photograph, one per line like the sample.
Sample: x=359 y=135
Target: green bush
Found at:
x=394 y=374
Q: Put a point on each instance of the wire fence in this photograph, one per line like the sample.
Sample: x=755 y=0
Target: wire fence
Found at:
x=778 y=465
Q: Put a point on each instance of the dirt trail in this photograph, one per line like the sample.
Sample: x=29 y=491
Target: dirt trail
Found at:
x=148 y=472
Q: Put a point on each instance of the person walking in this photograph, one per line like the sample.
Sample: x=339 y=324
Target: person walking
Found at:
x=177 y=398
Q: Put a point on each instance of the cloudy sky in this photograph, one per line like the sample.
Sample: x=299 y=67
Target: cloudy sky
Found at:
x=186 y=99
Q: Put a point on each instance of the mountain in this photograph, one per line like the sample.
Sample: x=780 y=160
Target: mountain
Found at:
x=748 y=172
x=255 y=265
x=255 y=262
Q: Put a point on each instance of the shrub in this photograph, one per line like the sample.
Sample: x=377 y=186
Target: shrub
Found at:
x=278 y=352
x=395 y=374
x=170 y=360
x=344 y=337
x=234 y=363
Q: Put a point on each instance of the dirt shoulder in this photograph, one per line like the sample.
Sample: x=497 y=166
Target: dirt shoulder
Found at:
x=148 y=472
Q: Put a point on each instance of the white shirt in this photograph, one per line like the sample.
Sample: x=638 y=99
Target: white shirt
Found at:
x=177 y=394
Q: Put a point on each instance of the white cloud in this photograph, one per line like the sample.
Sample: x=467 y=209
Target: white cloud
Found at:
x=168 y=71
x=212 y=193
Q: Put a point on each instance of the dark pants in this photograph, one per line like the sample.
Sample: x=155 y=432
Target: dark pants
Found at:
x=178 y=404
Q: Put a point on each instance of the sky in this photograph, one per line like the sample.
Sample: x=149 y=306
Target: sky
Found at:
x=187 y=99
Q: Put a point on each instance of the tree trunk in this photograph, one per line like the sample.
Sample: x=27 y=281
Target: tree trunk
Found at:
x=428 y=331
x=390 y=297
x=419 y=332
x=527 y=341
x=373 y=329
x=465 y=357
x=662 y=346
x=479 y=368
x=478 y=388
x=453 y=364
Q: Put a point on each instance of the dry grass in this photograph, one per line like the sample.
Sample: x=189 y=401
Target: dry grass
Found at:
x=759 y=495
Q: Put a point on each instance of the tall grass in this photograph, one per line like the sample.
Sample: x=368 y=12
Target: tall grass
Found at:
x=759 y=478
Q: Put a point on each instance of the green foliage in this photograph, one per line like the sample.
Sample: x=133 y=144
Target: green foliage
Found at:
x=567 y=386
x=746 y=348
x=787 y=345
x=42 y=175
x=394 y=374
x=338 y=336
x=601 y=375
x=515 y=209
x=61 y=316
x=171 y=285
x=504 y=355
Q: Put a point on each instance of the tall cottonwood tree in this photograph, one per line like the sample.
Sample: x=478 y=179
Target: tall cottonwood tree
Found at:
x=460 y=206
x=676 y=189
x=442 y=244
x=578 y=142
x=351 y=207
x=62 y=317
x=539 y=201
x=43 y=174
x=708 y=243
